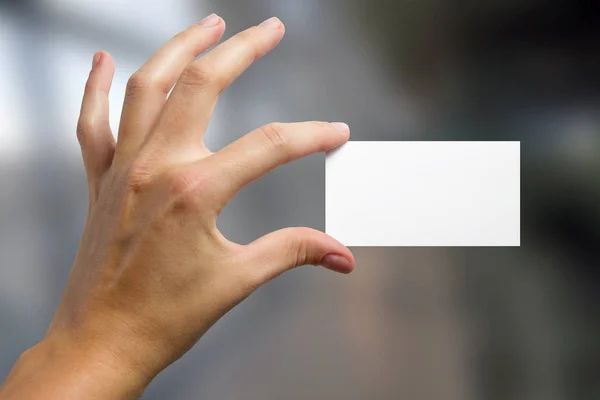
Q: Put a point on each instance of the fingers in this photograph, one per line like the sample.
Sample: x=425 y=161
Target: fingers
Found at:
x=280 y=251
x=264 y=149
x=93 y=130
x=148 y=88
x=191 y=104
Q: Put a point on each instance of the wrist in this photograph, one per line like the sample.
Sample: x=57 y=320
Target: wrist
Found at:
x=71 y=371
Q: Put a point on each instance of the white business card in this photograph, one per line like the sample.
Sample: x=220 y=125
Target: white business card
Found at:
x=424 y=194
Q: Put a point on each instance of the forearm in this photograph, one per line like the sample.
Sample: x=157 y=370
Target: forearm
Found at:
x=52 y=372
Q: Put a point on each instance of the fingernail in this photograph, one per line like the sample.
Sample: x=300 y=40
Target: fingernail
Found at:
x=340 y=126
x=272 y=22
x=97 y=58
x=336 y=263
x=211 y=20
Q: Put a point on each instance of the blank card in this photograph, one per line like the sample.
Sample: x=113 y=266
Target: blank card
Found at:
x=424 y=194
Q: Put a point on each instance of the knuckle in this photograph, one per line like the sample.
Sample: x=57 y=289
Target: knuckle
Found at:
x=192 y=33
x=301 y=252
x=198 y=75
x=274 y=134
x=139 y=176
x=298 y=247
x=246 y=35
x=325 y=126
x=84 y=129
x=180 y=183
x=138 y=83
x=189 y=33
x=182 y=36
x=248 y=39
x=189 y=188
x=301 y=246
x=90 y=86
x=249 y=36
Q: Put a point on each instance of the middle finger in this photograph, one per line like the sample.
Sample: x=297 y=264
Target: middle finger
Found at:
x=148 y=88
x=187 y=111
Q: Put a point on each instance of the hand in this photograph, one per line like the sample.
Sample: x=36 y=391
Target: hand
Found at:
x=153 y=272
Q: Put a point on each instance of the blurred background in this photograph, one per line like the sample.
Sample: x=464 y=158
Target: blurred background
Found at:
x=409 y=323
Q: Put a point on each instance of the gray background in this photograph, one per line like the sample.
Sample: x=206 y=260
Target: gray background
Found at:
x=409 y=323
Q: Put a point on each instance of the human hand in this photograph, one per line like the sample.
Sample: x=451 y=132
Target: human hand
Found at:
x=153 y=272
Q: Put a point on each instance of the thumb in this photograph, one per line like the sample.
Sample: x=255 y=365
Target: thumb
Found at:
x=280 y=251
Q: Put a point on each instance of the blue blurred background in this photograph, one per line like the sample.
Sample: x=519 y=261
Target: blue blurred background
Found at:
x=409 y=323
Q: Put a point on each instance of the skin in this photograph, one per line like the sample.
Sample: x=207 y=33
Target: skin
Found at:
x=153 y=273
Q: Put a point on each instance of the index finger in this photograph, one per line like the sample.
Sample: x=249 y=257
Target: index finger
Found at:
x=268 y=147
